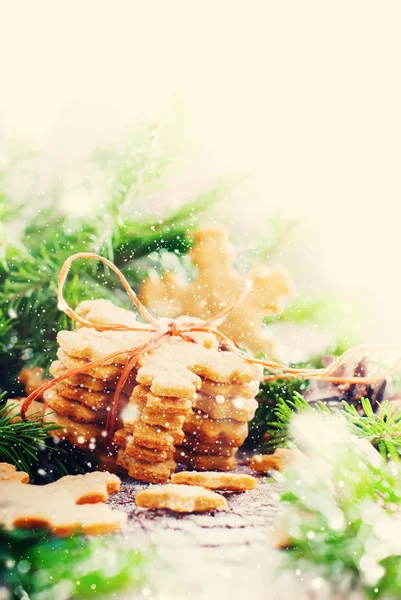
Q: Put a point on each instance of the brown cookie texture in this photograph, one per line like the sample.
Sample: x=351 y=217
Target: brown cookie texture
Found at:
x=175 y=368
x=83 y=435
x=192 y=443
x=89 y=488
x=155 y=438
x=84 y=381
x=210 y=431
x=32 y=379
x=202 y=462
x=69 y=408
x=9 y=473
x=238 y=408
x=104 y=312
x=106 y=373
x=278 y=461
x=95 y=400
x=73 y=504
x=134 y=450
x=152 y=473
x=229 y=390
x=152 y=417
x=142 y=396
x=89 y=344
x=181 y=498
x=235 y=482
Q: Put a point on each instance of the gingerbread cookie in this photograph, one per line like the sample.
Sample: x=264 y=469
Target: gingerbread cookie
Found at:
x=155 y=417
x=192 y=443
x=202 y=462
x=229 y=390
x=236 y=482
x=175 y=368
x=94 y=400
x=104 y=373
x=152 y=473
x=83 y=435
x=69 y=408
x=181 y=498
x=134 y=450
x=104 y=312
x=64 y=507
x=216 y=284
x=10 y=473
x=81 y=380
x=237 y=408
x=89 y=344
x=32 y=379
x=278 y=461
x=160 y=404
x=157 y=438
x=209 y=431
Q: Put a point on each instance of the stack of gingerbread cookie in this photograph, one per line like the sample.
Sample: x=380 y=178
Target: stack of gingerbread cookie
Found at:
x=218 y=424
x=188 y=399
x=162 y=420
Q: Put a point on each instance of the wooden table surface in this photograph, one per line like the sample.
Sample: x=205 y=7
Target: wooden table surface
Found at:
x=212 y=555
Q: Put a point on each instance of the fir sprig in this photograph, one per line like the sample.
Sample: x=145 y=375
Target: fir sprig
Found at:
x=28 y=446
x=341 y=526
x=39 y=566
x=381 y=428
x=271 y=395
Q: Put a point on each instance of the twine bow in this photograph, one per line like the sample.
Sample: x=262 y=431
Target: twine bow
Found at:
x=163 y=329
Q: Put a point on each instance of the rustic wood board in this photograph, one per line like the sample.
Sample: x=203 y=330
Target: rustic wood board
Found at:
x=213 y=555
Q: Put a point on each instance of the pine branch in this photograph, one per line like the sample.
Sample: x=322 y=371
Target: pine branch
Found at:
x=271 y=395
x=6 y=325
x=38 y=566
x=343 y=502
x=28 y=446
x=382 y=428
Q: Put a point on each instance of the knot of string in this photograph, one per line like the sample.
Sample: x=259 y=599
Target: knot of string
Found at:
x=161 y=331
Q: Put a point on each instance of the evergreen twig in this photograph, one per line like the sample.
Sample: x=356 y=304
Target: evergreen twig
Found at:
x=28 y=446
x=39 y=566
x=343 y=503
x=382 y=428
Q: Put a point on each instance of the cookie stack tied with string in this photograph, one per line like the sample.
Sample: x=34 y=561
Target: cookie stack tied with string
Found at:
x=161 y=421
x=167 y=362
x=80 y=403
x=163 y=389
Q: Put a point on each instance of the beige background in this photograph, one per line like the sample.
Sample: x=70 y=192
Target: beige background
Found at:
x=303 y=95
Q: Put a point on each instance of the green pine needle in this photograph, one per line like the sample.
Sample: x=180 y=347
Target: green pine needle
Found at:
x=382 y=428
x=342 y=502
x=28 y=446
x=39 y=566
